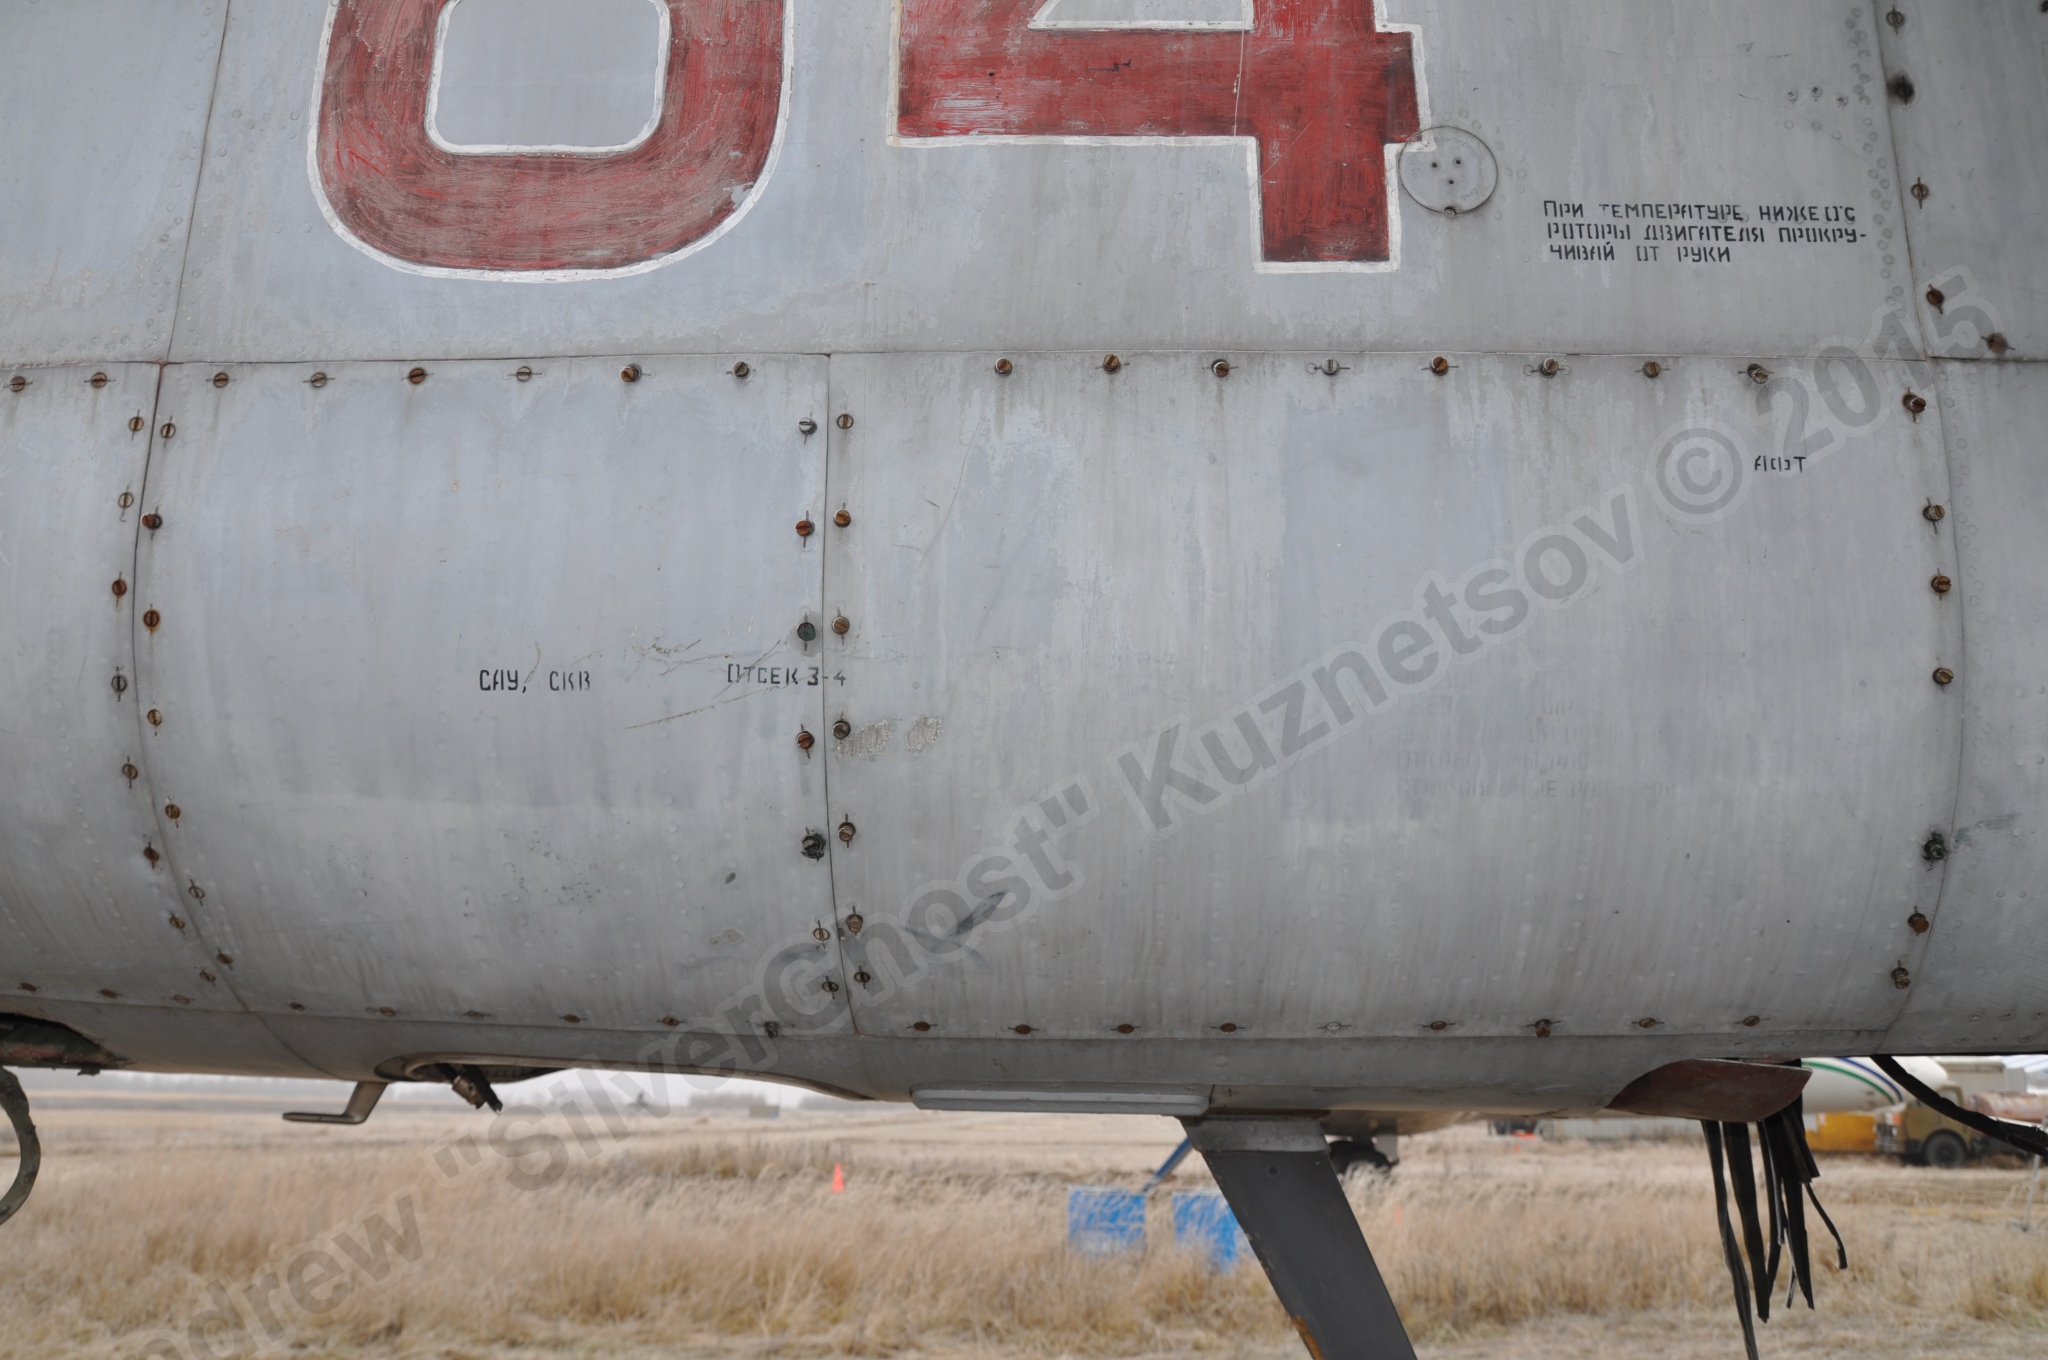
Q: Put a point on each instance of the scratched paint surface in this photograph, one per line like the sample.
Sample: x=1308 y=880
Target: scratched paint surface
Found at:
x=1315 y=84
x=399 y=193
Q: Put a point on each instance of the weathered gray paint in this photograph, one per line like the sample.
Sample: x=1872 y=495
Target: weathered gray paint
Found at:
x=105 y=103
x=1040 y=569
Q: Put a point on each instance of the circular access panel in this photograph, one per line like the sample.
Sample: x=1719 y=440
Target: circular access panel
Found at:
x=1448 y=170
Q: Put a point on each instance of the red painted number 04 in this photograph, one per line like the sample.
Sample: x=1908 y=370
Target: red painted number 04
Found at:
x=1318 y=88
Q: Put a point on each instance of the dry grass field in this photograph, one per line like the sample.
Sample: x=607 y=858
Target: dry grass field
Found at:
x=691 y=1234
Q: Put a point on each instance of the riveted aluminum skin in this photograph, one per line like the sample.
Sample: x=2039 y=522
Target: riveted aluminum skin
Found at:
x=1264 y=718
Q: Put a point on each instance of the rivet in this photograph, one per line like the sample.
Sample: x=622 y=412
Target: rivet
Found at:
x=205 y=976
x=1652 y=368
x=1913 y=402
x=98 y=380
x=120 y=587
x=1110 y=363
x=1933 y=513
x=1005 y=367
x=670 y=1021
x=804 y=740
x=182 y=1000
x=922 y=1026
x=573 y=1019
x=168 y=430
x=630 y=373
x=150 y=619
x=317 y=380
x=124 y=500
x=1919 y=191
x=197 y=893
x=1752 y=1021
x=1228 y=1027
x=820 y=934
x=1549 y=368
x=1997 y=343
x=1941 y=585
x=416 y=376
x=16 y=383
x=855 y=922
x=846 y=831
x=1901 y=979
x=1758 y=374
x=1440 y=365
x=131 y=772
x=1126 y=1029
x=1221 y=368
x=177 y=923
x=1023 y=1029
x=1647 y=1022
x=807 y=630
x=135 y=424
x=152 y=521
x=220 y=380
x=120 y=683
x=842 y=729
x=862 y=978
x=842 y=519
x=110 y=994
x=1331 y=368
x=1944 y=676
x=386 y=1010
x=1542 y=1028
x=1917 y=923
x=1935 y=297
x=523 y=373
x=227 y=960
x=156 y=718
x=830 y=985
x=1439 y=1025
x=807 y=427
x=173 y=811
x=845 y=421
x=741 y=369
x=295 y=1005
x=150 y=853
x=804 y=528
x=841 y=624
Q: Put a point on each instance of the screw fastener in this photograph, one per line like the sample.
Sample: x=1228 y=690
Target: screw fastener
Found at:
x=416 y=376
x=120 y=587
x=841 y=624
x=807 y=631
x=1758 y=374
x=1941 y=585
x=845 y=421
x=220 y=380
x=1936 y=848
x=1933 y=513
x=1221 y=368
x=1914 y=403
x=156 y=718
x=1944 y=676
x=741 y=369
x=855 y=922
x=1901 y=979
x=135 y=424
x=846 y=830
x=842 y=519
x=1005 y=368
x=804 y=528
x=1652 y=369
x=150 y=619
x=152 y=521
x=804 y=740
x=630 y=373
x=807 y=427
x=1542 y=1028
x=98 y=380
x=1918 y=923
x=1440 y=365
x=842 y=729
x=1919 y=191
x=1110 y=363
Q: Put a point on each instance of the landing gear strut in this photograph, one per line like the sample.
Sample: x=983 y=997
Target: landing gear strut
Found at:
x=1278 y=1175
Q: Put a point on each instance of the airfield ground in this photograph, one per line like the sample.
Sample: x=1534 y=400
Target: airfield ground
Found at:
x=710 y=1233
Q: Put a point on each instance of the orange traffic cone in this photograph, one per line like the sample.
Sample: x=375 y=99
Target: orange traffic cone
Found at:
x=838 y=1178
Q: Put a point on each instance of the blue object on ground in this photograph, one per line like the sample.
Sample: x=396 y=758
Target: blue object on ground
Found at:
x=1105 y=1222
x=1202 y=1220
x=1166 y=1169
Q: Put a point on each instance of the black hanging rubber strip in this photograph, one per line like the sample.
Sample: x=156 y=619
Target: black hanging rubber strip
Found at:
x=1841 y=1252
x=1729 y=1251
x=1742 y=1175
x=1792 y=1182
x=1774 y=1196
x=2025 y=1137
x=15 y=1102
